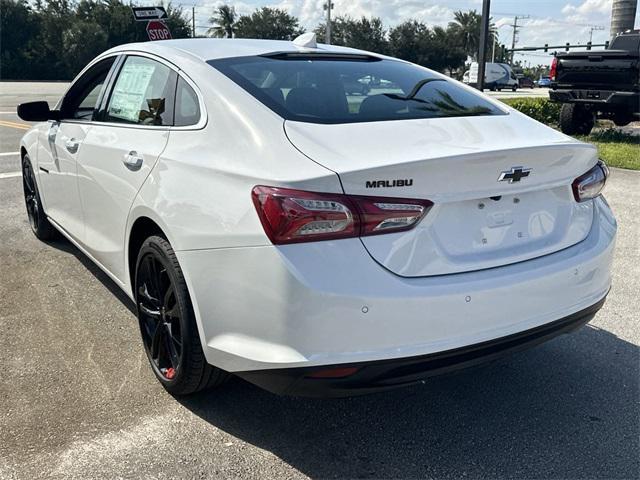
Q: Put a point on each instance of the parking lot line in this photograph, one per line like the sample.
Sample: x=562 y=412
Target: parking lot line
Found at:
x=21 y=126
x=10 y=175
x=8 y=154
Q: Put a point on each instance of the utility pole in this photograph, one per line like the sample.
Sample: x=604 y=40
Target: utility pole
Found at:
x=193 y=22
x=484 y=35
x=327 y=36
x=515 y=27
x=591 y=30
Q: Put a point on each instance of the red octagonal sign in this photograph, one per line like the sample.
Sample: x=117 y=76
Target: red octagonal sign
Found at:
x=158 y=31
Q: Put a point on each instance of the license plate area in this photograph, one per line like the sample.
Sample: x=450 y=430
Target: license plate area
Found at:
x=503 y=226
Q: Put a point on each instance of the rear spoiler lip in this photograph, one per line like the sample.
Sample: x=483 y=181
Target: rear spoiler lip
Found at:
x=288 y=55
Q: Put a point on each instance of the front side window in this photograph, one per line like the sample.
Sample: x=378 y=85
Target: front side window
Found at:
x=80 y=102
x=142 y=93
x=348 y=89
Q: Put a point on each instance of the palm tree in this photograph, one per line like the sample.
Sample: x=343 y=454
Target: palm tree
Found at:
x=223 y=20
x=466 y=29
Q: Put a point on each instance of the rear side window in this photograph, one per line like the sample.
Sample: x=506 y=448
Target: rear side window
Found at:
x=187 y=110
x=142 y=93
x=349 y=89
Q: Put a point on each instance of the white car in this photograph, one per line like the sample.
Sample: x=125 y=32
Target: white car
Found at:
x=269 y=225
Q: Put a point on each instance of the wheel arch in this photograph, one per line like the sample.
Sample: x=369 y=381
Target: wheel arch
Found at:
x=142 y=228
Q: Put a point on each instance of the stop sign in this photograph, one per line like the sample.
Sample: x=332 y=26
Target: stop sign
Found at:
x=158 y=31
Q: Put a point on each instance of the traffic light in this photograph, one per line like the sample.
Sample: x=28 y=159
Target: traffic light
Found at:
x=546 y=47
x=588 y=45
x=566 y=48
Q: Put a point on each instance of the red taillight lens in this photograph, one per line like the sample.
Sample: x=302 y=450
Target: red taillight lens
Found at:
x=385 y=215
x=591 y=184
x=293 y=216
x=554 y=69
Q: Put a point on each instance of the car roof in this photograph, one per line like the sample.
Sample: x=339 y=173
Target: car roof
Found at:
x=216 y=48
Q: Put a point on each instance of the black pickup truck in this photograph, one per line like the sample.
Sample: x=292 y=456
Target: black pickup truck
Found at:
x=598 y=84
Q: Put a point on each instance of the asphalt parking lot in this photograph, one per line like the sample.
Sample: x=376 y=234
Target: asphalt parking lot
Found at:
x=79 y=401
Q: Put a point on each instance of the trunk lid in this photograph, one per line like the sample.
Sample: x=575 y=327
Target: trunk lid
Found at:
x=476 y=222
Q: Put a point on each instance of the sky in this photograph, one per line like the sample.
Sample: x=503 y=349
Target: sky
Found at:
x=551 y=21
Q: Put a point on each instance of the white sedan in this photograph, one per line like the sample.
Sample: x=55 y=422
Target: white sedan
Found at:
x=317 y=220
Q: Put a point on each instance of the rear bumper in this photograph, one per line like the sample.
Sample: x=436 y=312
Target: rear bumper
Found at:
x=329 y=303
x=601 y=98
x=388 y=374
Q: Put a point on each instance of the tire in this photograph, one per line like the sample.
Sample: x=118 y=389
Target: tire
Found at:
x=38 y=220
x=513 y=89
x=622 y=120
x=167 y=322
x=576 y=120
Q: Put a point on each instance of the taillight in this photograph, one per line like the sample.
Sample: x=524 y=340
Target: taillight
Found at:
x=554 y=69
x=591 y=184
x=293 y=216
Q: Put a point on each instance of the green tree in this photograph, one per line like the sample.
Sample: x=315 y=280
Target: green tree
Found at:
x=466 y=29
x=410 y=41
x=415 y=42
x=18 y=26
x=55 y=39
x=445 y=56
x=364 y=34
x=268 y=23
x=223 y=20
x=46 y=50
x=81 y=43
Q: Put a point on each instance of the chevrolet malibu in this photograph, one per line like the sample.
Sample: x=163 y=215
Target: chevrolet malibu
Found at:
x=271 y=223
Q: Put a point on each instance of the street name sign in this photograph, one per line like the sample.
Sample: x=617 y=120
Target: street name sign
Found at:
x=144 y=14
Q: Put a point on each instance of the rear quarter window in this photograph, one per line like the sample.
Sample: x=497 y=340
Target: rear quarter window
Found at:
x=332 y=89
x=187 y=109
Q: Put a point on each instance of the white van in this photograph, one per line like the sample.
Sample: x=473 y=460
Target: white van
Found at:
x=496 y=77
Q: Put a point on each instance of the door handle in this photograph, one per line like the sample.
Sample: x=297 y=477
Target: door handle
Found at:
x=72 y=145
x=133 y=161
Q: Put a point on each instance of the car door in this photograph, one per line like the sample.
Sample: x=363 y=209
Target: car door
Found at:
x=62 y=145
x=119 y=152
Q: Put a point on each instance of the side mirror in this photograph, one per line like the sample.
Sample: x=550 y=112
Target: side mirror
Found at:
x=37 y=112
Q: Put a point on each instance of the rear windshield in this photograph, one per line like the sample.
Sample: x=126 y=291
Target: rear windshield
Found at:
x=630 y=43
x=349 y=89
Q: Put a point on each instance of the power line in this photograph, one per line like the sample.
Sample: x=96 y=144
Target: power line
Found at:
x=591 y=30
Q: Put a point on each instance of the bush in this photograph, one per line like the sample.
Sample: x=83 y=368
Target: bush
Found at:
x=540 y=109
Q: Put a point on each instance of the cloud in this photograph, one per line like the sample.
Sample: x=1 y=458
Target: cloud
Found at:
x=587 y=11
x=310 y=12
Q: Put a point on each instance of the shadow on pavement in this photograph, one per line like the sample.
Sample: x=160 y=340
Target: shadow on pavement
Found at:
x=66 y=246
x=567 y=409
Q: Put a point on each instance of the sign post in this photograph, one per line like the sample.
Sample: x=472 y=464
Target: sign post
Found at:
x=158 y=31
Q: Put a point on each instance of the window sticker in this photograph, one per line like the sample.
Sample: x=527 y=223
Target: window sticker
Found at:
x=130 y=90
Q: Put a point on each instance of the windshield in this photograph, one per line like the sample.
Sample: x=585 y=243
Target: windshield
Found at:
x=349 y=89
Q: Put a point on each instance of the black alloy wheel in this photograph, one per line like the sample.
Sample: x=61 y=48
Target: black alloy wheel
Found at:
x=30 y=194
x=38 y=220
x=160 y=317
x=167 y=322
